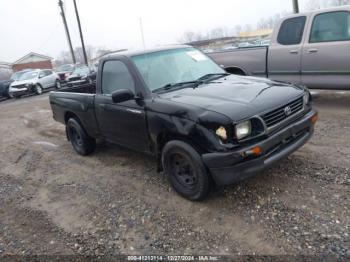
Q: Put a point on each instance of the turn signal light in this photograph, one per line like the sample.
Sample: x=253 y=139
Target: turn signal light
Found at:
x=314 y=118
x=255 y=151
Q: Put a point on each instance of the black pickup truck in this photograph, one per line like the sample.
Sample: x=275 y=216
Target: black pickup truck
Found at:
x=205 y=127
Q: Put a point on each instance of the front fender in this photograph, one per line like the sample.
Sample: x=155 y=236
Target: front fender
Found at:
x=204 y=138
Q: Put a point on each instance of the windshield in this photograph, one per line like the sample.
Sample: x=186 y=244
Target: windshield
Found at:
x=29 y=75
x=173 y=66
x=16 y=76
x=81 y=71
x=65 y=68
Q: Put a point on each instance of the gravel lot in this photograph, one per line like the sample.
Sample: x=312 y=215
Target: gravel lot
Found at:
x=53 y=201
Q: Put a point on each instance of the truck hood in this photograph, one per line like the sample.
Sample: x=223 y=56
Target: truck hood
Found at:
x=237 y=97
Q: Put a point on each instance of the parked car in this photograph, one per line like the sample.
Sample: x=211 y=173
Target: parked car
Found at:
x=92 y=76
x=78 y=76
x=34 y=81
x=5 y=84
x=244 y=45
x=64 y=71
x=203 y=125
x=230 y=47
x=264 y=42
x=312 y=49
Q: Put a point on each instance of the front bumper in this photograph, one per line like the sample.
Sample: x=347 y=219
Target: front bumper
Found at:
x=228 y=168
x=19 y=91
x=77 y=82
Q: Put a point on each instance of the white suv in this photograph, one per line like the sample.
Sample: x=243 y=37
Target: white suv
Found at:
x=34 y=82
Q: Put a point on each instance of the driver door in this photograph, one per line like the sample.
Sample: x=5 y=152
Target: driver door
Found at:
x=122 y=123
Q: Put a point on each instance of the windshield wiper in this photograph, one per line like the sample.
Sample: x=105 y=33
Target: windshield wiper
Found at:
x=193 y=84
x=179 y=85
x=211 y=76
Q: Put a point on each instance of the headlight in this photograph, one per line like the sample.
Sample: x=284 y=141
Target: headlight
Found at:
x=306 y=98
x=221 y=132
x=243 y=129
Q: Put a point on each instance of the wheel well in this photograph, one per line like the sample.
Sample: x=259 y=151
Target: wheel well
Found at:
x=235 y=71
x=164 y=138
x=69 y=115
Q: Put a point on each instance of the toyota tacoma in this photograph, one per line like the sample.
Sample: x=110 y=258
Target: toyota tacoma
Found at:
x=204 y=127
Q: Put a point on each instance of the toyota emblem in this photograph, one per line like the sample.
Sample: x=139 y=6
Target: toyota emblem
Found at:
x=287 y=111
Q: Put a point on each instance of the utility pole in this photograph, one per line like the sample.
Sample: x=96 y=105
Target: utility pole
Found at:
x=60 y=4
x=81 y=33
x=142 y=36
x=295 y=6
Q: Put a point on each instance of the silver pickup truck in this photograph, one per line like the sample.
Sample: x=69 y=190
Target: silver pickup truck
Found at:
x=311 y=49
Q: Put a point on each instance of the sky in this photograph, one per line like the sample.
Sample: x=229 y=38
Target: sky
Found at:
x=36 y=25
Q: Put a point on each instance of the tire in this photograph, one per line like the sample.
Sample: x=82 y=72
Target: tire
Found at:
x=185 y=170
x=9 y=95
x=58 y=84
x=38 y=89
x=82 y=143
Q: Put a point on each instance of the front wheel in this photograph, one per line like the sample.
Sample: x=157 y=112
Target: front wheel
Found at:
x=82 y=143
x=185 y=170
x=9 y=94
x=38 y=89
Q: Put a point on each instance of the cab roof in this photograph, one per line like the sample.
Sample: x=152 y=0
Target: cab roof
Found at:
x=130 y=53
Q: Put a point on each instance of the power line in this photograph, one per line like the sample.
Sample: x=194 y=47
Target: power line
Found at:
x=142 y=35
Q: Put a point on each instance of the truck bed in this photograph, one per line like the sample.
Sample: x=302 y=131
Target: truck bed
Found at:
x=79 y=101
x=251 y=60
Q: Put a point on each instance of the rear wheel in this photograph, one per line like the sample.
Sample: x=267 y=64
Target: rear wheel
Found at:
x=185 y=170
x=82 y=143
x=38 y=89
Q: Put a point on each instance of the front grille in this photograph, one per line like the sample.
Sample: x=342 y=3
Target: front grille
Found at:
x=18 y=86
x=74 y=78
x=278 y=115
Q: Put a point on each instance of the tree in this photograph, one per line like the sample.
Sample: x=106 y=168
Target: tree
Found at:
x=339 y=2
x=318 y=4
x=66 y=58
x=217 y=32
x=238 y=29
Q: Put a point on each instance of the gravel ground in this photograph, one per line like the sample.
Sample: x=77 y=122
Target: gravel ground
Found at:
x=53 y=201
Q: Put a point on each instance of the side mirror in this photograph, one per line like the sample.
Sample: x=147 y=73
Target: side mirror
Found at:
x=122 y=95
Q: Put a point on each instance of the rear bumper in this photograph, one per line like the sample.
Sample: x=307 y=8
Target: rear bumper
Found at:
x=228 y=168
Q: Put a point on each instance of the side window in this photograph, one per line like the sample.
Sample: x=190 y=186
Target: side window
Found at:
x=42 y=74
x=116 y=76
x=331 y=27
x=291 y=31
x=48 y=72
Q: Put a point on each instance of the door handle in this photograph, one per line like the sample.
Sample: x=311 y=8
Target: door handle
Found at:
x=311 y=51
x=134 y=111
x=294 y=52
